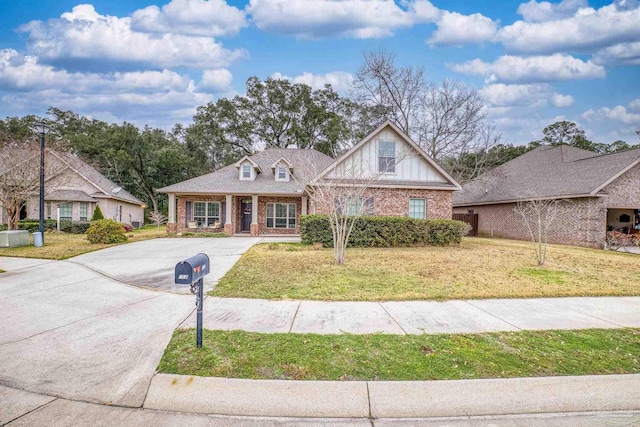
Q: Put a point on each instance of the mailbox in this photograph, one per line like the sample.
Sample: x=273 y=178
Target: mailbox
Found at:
x=192 y=269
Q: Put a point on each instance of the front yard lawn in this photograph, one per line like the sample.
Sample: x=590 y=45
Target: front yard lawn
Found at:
x=477 y=268
x=238 y=354
x=67 y=245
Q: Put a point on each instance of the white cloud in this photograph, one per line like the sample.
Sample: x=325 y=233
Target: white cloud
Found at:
x=588 y=30
x=194 y=17
x=635 y=105
x=313 y=19
x=534 y=11
x=146 y=96
x=518 y=69
x=562 y=101
x=620 y=54
x=500 y=95
x=339 y=80
x=457 y=29
x=83 y=34
x=216 y=80
x=618 y=113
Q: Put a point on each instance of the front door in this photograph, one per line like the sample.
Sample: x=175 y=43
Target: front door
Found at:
x=246 y=215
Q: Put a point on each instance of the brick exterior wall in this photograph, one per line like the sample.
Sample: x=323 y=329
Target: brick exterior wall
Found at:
x=262 y=214
x=583 y=222
x=624 y=192
x=395 y=202
x=181 y=212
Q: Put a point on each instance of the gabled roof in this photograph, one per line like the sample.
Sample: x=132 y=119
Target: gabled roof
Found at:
x=547 y=172
x=248 y=159
x=451 y=183
x=225 y=180
x=103 y=185
x=282 y=160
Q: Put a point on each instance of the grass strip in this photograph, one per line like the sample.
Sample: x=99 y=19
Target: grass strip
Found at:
x=477 y=268
x=240 y=354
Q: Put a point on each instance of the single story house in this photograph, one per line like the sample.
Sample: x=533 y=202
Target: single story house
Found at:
x=76 y=188
x=599 y=192
x=267 y=192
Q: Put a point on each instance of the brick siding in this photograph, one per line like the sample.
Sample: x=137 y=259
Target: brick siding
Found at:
x=395 y=202
x=624 y=192
x=583 y=222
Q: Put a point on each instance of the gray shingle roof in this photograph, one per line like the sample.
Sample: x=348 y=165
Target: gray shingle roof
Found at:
x=546 y=172
x=306 y=165
x=102 y=182
x=69 y=196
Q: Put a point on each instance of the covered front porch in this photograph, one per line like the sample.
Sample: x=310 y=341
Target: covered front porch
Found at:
x=624 y=220
x=236 y=214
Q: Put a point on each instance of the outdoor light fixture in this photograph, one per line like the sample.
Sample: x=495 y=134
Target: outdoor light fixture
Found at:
x=42 y=129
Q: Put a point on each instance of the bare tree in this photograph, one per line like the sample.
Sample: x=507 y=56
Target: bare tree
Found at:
x=342 y=195
x=158 y=217
x=398 y=89
x=447 y=120
x=538 y=216
x=451 y=120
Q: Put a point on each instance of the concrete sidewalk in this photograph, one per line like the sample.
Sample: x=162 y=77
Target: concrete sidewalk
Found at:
x=419 y=317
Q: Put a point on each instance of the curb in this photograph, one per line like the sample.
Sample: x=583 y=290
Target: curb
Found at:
x=393 y=399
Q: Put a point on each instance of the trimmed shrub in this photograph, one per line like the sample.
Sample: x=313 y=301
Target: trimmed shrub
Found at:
x=106 y=231
x=79 y=227
x=386 y=231
x=33 y=225
x=97 y=214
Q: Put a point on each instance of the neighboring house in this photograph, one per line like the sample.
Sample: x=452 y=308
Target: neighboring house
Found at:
x=76 y=188
x=266 y=193
x=600 y=192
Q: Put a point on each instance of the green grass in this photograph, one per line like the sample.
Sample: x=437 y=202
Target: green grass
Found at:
x=477 y=268
x=238 y=354
x=66 y=245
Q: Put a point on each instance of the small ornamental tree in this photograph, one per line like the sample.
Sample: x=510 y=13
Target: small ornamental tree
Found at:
x=97 y=214
x=106 y=231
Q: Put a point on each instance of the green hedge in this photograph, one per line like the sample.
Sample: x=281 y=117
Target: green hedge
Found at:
x=386 y=231
x=74 y=227
x=33 y=225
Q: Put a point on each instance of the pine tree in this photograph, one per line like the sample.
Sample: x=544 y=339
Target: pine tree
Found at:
x=97 y=214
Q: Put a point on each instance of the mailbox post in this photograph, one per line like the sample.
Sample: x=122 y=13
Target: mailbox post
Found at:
x=190 y=272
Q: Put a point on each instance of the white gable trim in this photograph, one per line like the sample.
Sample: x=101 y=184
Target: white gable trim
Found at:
x=404 y=137
x=248 y=159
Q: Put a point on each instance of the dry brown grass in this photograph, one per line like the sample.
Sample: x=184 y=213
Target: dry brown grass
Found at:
x=66 y=245
x=477 y=268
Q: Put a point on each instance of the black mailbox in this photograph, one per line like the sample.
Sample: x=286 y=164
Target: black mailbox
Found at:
x=192 y=269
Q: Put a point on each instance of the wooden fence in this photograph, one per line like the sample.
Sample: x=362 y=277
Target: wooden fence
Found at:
x=471 y=219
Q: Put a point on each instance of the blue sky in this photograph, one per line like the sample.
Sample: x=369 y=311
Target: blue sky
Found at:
x=154 y=63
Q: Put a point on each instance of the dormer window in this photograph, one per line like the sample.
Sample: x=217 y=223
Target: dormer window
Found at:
x=283 y=174
x=246 y=171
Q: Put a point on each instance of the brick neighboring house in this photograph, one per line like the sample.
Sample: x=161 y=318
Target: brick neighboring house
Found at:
x=266 y=193
x=600 y=191
x=77 y=188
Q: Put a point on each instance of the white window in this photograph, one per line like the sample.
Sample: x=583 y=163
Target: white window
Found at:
x=282 y=174
x=354 y=206
x=83 y=211
x=66 y=211
x=386 y=156
x=246 y=171
x=206 y=214
x=281 y=215
x=418 y=208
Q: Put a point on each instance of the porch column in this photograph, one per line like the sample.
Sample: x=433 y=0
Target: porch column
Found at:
x=254 y=216
x=228 y=222
x=171 y=220
x=305 y=201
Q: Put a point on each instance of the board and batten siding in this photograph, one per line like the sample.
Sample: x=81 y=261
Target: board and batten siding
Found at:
x=363 y=163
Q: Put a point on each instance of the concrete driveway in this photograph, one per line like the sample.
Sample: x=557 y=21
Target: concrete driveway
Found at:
x=150 y=263
x=67 y=330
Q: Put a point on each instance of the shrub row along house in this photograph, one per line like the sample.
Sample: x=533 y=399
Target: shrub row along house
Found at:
x=75 y=188
x=266 y=193
x=597 y=192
